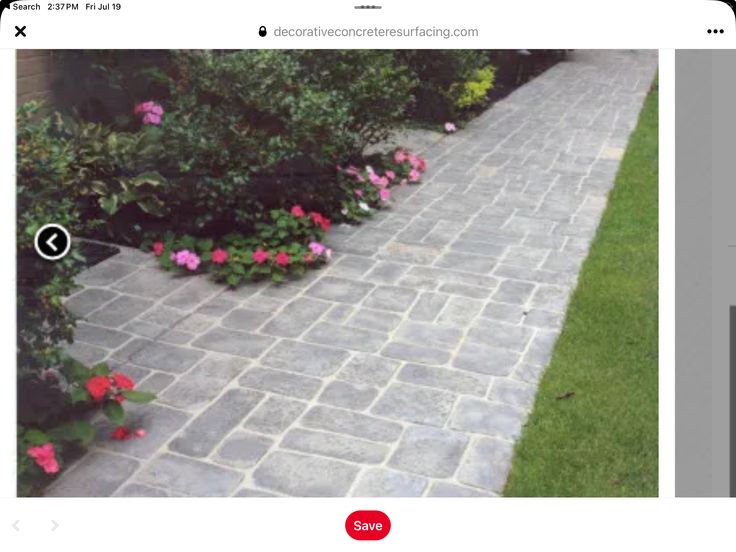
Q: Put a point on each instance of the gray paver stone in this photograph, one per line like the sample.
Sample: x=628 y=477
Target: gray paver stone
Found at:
x=299 y=475
x=429 y=451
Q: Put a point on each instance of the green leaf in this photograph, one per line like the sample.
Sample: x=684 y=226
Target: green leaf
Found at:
x=101 y=369
x=109 y=204
x=205 y=245
x=114 y=412
x=99 y=187
x=151 y=178
x=34 y=437
x=81 y=431
x=75 y=370
x=152 y=206
x=138 y=396
x=233 y=280
x=78 y=395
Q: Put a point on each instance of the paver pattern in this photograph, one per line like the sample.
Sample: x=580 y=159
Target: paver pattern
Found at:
x=409 y=365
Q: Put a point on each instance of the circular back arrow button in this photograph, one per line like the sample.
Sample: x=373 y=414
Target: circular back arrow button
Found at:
x=52 y=242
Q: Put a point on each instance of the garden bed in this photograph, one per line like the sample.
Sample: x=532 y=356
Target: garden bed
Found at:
x=230 y=163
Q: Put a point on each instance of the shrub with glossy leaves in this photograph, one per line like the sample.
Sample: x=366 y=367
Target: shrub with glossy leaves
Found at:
x=448 y=81
x=243 y=128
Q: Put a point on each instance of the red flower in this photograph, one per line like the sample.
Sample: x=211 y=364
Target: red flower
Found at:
x=319 y=220
x=297 y=211
x=220 y=256
x=122 y=381
x=98 y=386
x=45 y=457
x=308 y=257
x=158 y=248
x=121 y=433
x=260 y=256
x=282 y=259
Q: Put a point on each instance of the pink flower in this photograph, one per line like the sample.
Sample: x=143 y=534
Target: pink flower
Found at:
x=317 y=248
x=384 y=194
x=390 y=175
x=403 y=182
x=297 y=211
x=45 y=457
x=139 y=432
x=181 y=257
x=417 y=163
x=282 y=259
x=193 y=262
x=359 y=193
x=151 y=119
x=220 y=256
x=400 y=156
x=414 y=175
x=450 y=127
x=308 y=257
x=158 y=248
x=328 y=254
x=260 y=256
x=149 y=107
x=152 y=112
x=145 y=107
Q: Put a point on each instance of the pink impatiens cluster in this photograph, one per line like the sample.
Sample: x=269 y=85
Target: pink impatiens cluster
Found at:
x=45 y=457
x=152 y=112
x=186 y=258
x=320 y=249
x=418 y=164
x=408 y=165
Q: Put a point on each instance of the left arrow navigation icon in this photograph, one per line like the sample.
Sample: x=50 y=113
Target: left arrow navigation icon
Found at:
x=52 y=242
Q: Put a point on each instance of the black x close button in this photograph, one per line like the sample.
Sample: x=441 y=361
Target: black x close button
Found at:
x=20 y=31
x=52 y=242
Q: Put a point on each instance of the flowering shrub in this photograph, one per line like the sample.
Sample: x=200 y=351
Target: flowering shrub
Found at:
x=244 y=128
x=290 y=242
x=42 y=447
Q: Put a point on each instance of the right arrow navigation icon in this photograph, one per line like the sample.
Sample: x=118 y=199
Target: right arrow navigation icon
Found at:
x=52 y=242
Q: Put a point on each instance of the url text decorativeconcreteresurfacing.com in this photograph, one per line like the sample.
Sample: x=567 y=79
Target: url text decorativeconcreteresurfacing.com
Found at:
x=375 y=32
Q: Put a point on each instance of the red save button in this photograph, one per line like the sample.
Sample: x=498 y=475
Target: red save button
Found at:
x=367 y=525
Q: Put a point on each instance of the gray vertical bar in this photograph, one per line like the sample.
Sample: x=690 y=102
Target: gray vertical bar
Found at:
x=706 y=266
x=693 y=210
x=732 y=386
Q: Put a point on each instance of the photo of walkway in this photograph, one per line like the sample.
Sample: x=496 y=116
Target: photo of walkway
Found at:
x=408 y=365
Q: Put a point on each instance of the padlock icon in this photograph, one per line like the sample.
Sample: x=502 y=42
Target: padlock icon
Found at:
x=262 y=30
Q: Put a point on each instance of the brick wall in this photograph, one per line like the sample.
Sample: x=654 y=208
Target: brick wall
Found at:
x=36 y=75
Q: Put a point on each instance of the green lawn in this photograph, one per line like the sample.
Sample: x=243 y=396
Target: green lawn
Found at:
x=602 y=441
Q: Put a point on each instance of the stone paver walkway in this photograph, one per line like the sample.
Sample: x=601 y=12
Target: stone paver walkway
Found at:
x=405 y=368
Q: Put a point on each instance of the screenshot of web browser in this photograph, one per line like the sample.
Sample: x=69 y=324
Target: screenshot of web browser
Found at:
x=422 y=274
